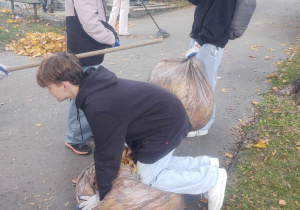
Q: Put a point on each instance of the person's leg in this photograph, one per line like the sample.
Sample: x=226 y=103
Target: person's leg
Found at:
x=114 y=13
x=123 y=23
x=210 y=56
x=191 y=163
x=173 y=180
x=76 y=140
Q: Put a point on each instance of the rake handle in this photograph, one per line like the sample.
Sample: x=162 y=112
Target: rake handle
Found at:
x=92 y=53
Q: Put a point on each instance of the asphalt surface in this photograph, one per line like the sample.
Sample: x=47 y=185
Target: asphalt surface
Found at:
x=36 y=169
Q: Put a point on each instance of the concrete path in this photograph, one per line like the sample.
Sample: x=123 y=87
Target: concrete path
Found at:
x=36 y=169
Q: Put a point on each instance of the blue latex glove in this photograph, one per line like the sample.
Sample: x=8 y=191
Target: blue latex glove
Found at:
x=3 y=71
x=193 y=51
x=191 y=55
x=90 y=202
x=117 y=44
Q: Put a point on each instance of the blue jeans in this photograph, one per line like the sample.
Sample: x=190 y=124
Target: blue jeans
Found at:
x=73 y=135
x=182 y=175
x=210 y=56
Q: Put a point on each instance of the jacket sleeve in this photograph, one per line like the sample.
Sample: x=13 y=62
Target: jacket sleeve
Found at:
x=217 y=22
x=194 y=2
x=87 y=12
x=109 y=137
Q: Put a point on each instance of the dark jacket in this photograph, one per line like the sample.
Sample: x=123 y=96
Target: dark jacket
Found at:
x=150 y=119
x=212 y=21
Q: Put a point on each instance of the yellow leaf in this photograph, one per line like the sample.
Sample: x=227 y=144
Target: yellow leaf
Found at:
x=260 y=144
x=67 y=203
x=254 y=103
x=38 y=125
x=227 y=154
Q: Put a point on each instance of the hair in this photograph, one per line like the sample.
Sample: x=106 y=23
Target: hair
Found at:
x=59 y=67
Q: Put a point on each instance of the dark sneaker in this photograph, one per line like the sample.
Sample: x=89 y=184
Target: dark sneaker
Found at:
x=80 y=149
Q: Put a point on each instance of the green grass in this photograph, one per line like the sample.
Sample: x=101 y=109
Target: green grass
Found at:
x=262 y=177
x=15 y=31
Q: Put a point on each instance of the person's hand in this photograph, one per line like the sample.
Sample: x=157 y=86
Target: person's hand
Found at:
x=193 y=51
x=117 y=44
x=3 y=71
x=90 y=202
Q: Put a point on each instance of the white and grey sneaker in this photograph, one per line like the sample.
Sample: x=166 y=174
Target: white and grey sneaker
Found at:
x=216 y=194
x=197 y=133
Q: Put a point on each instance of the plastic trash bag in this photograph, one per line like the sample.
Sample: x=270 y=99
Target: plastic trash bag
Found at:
x=127 y=192
x=187 y=80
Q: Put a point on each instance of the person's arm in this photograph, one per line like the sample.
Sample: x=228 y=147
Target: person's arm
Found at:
x=109 y=137
x=216 y=22
x=87 y=12
x=194 y=2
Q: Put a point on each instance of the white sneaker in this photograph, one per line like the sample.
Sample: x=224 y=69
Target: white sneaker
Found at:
x=214 y=162
x=197 y=133
x=216 y=194
x=124 y=34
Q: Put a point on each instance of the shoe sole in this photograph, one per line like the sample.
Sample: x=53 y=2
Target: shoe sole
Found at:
x=224 y=181
x=194 y=134
x=79 y=153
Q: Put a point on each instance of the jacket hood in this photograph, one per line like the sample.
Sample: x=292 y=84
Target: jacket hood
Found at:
x=94 y=80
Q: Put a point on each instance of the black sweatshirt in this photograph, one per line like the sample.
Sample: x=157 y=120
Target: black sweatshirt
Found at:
x=212 y=21
x=150 y=119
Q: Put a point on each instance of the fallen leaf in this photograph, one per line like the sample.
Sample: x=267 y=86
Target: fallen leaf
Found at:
x=67 y=203
x=37 y=196
x=249 y=146
x=224 y=90
x=260 y=144
x=227 y=154
x=38 y=125
x=219 y=77
x=282 y=202
x=254 y=103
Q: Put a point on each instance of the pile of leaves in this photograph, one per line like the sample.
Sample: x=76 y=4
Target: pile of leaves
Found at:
x=38 y=44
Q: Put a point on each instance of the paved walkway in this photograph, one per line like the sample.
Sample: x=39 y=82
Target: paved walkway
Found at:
x=36 y=168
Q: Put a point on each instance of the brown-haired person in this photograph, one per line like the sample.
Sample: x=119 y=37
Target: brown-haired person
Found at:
x=151 y=120
x=87 y=30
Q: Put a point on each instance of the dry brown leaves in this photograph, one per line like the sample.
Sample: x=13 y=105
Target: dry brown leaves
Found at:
x=38 y=44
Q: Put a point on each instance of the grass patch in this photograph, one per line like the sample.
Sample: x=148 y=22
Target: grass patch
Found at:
x=269 y=178
x=12 y=29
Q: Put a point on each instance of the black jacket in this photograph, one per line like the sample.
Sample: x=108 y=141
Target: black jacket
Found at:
x=212 y=21
x=149 y=118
